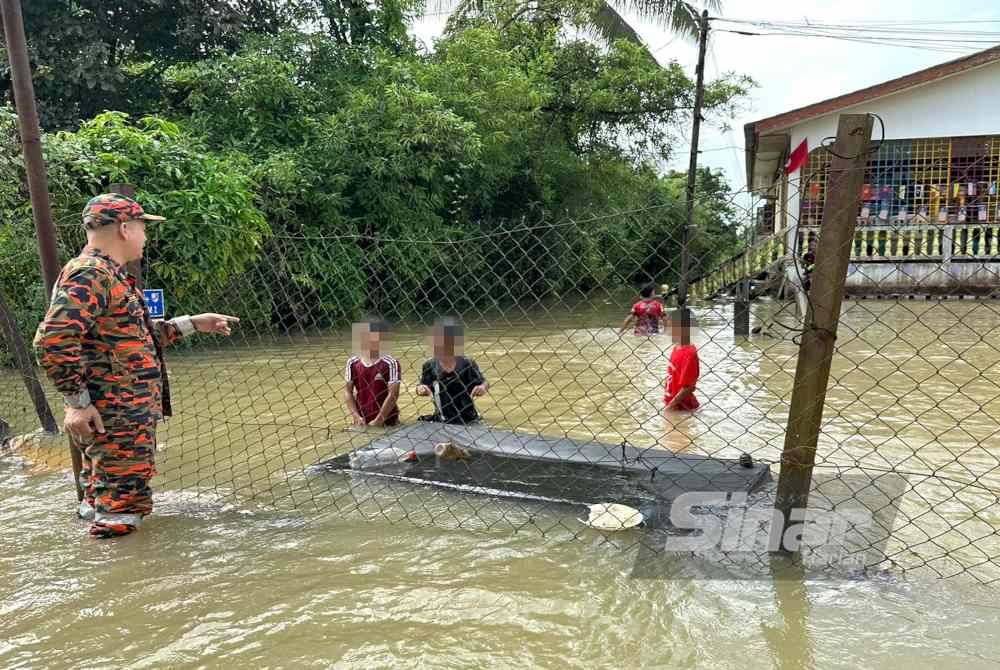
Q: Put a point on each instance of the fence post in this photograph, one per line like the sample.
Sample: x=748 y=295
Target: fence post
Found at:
x=812 y=372
x=741 y=309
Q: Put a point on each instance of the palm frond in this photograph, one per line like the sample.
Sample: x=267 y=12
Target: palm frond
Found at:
x=609 y=25
x=678 y=16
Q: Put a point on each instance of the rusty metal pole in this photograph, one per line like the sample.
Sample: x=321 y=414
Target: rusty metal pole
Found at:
x=38 y=183
x=31 y=142
x=826 y=293
x=24 y=97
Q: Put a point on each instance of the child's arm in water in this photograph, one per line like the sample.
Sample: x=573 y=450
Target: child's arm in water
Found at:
x=352 y=406
x=388 y=406
x=477 y=381
x=426 y=379
x=627 y=323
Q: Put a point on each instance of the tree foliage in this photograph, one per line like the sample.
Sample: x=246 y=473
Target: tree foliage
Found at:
x=89 y=56
x=316 y=174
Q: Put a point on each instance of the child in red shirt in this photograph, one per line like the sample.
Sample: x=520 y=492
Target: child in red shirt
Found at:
x=683 y=368
x=647 y=313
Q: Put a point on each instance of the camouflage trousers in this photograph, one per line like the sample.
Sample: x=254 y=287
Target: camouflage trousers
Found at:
x=117 y=467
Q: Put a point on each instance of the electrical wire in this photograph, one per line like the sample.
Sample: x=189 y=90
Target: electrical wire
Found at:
x=900 y=34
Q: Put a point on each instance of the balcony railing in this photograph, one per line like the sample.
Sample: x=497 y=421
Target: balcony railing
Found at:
x=902 y=243
x=942 y=243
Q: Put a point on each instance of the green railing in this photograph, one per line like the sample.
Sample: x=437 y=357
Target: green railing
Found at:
x=761 y=255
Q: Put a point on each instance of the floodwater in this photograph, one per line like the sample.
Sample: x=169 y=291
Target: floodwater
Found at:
x=252 y=557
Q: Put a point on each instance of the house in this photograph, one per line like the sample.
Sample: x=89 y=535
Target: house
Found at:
x=929 y=219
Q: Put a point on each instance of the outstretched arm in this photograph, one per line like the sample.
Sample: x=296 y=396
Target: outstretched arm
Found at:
x=170 y=331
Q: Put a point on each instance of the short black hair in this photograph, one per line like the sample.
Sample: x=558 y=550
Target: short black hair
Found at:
x=450 y=326
x=377 y=324
x=647 y=290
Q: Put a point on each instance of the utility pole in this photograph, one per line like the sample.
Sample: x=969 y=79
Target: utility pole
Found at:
x=826 y=293
x=24 y=97
x=699 y=97
x=31 y=142
x=38 y=188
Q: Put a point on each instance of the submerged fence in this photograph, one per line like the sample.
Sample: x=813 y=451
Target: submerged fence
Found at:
x=574 y=412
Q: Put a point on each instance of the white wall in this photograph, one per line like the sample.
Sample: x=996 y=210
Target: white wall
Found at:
x=966 y=104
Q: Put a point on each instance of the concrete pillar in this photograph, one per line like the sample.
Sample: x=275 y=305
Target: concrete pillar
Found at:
x=947 y=241
x=741 y=309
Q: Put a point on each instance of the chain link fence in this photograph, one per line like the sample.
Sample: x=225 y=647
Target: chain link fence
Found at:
x=574 y=414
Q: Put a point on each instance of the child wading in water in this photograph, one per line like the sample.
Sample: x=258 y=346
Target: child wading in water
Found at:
x=684 y=368
x=646 y=313
x=450 y=378
x=372 y=378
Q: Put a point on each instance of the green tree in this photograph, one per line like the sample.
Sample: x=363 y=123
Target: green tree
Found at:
x=356 y=22
x=214 y=232
x=603 y=18
x=88 y=56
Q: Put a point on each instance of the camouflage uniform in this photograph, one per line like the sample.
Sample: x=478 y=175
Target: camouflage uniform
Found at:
x=97 y=335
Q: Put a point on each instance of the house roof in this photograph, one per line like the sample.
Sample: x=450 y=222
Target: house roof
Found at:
x=776 y=124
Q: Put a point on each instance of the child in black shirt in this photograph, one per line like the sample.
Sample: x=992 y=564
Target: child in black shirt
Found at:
x=452 y=380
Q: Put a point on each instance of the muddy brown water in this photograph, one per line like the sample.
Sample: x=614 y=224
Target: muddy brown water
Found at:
x=253 y=559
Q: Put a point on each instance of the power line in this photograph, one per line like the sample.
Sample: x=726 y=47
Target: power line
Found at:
x=887 y=24
x=953 y=48
x=731 y=146
x=886 y=34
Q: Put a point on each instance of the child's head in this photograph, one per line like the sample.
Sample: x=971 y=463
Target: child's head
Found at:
x=680 y=326
x=369 y=334
x=447 y=337
x=646 y=292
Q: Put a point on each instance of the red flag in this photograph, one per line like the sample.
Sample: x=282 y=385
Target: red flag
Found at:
x=797 y=158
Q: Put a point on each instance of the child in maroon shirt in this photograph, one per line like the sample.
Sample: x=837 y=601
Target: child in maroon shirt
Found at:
x=683 y=368
x=372 y=378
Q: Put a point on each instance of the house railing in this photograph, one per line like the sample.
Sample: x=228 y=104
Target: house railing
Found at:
x=905 y=242
x=902 y=243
